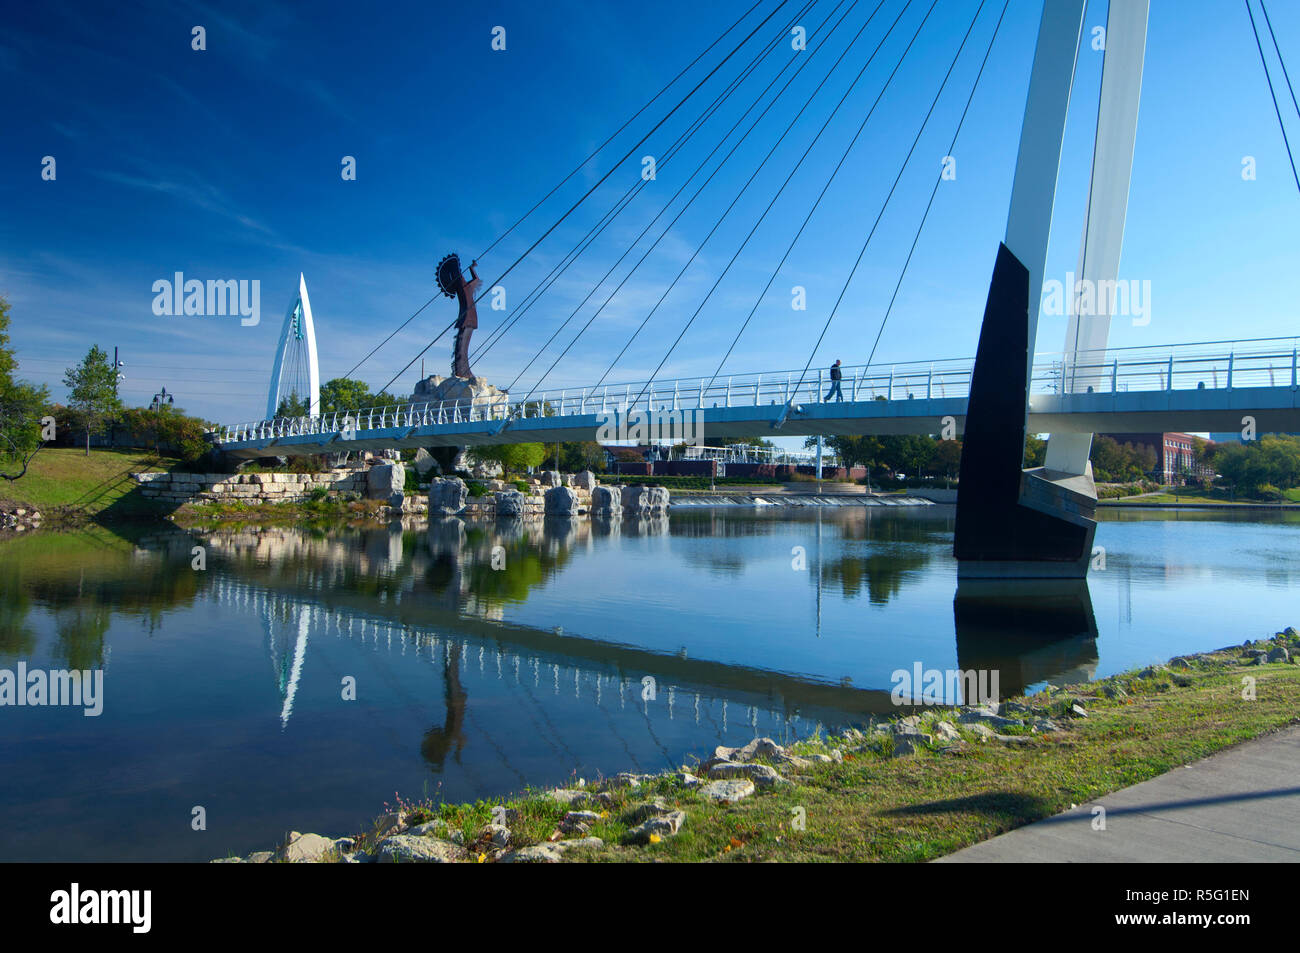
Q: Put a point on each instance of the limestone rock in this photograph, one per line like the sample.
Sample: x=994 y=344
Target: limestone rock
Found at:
x=758 y=748
x=561 y=501
x=606 y=502
x=404 y=848
x=434 y=828
x=762 y=775
x=578 y=822
x=634 y=499
x=387 y=481
x=585 y=480
x=460 y=397
x=510 y=504
x=497 y=836
x=425 y=465
x=665 y=825
x=727 y=791
x=304 y=849
x=447 y=496
x=551 y=478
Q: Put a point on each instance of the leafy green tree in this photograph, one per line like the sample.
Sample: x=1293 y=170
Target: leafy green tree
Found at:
x=852 y=451
x=1035 y=451
x=946 y=458
x=92 y=392
x=22 y=404
x=513 y=457
x=292 y=406
x=347 y=393
x=578 y=455
x=167 y=429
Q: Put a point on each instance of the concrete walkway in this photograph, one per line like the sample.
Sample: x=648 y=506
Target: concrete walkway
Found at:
x=1241 y=805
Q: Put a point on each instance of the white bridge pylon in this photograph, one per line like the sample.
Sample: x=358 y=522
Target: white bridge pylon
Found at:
x=296 y=354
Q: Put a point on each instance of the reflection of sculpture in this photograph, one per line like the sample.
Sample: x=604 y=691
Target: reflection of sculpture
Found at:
x=440 y=741
x=452 y=282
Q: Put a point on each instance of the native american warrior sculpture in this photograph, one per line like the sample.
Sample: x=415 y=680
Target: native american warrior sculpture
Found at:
x=452 y=283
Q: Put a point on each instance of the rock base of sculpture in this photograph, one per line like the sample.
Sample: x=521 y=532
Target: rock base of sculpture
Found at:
x=461 y=393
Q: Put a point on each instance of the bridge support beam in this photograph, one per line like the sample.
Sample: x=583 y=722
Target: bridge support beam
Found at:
x=1013 y=523
x=1103 y=238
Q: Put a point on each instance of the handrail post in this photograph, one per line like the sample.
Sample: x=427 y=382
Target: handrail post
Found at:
x=729 y=381
x=1169 y=382
x=929 y=383
x=1230 y=356
x=890 y=392
x=1293 y=367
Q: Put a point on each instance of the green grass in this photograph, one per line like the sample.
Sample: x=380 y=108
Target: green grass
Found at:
x=1214 y=495
x=65 y=479
x=874 y=807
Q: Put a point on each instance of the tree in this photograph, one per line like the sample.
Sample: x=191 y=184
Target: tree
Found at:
x=851 y=450
x=343 y=394
x=22 y=404
x=513 y=457
x=1035 y=450
x=92 y=392
x=947 y=457
x=292 y=406
x=346 y=393
x=577 y=455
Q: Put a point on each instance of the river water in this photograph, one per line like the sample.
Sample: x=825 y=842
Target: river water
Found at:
x=301 y=680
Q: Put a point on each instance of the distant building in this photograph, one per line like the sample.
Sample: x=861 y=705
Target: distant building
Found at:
x=1175 y=454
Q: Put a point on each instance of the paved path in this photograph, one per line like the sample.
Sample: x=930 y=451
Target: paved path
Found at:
x=1239 y=805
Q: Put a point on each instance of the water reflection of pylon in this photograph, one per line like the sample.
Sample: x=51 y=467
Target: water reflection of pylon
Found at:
x=287 y=667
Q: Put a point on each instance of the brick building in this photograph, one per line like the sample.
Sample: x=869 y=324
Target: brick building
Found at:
x=1175 y=453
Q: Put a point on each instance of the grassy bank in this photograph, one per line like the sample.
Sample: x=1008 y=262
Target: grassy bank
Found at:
x=876 y=806
x=65 y=483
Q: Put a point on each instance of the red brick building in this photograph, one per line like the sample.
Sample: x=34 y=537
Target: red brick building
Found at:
x=1175 y=453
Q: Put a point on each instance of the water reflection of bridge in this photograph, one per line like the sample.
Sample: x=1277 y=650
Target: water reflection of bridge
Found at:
x=593 y=669
x=436 y=591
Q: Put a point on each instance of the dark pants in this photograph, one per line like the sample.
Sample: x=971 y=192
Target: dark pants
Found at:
x=835 y=389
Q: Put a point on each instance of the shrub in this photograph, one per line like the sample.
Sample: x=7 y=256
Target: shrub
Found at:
x=476 y=488
x=1267 y=491
x=305 y=464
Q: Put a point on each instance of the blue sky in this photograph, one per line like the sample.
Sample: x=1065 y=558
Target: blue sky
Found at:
x=225 y=164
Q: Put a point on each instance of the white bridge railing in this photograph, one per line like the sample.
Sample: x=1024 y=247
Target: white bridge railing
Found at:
x=1265 y=362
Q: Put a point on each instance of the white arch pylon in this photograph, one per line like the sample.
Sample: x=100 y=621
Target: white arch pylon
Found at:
x=306 y=329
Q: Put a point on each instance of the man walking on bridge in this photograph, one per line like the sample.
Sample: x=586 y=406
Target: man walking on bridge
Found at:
x=836 y=377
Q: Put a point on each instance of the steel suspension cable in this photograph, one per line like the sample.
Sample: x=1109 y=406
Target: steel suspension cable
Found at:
x=612 y=170
x=937 y=182
x=666 y=117
x=699 y=168
x=1268 y=76
x=635 y=189
x=897 y=179
x=861 y=127
x=697 y=193
x=852 y=86
x=595 y=152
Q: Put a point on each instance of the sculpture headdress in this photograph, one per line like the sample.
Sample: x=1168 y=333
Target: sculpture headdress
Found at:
x=449 y=275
